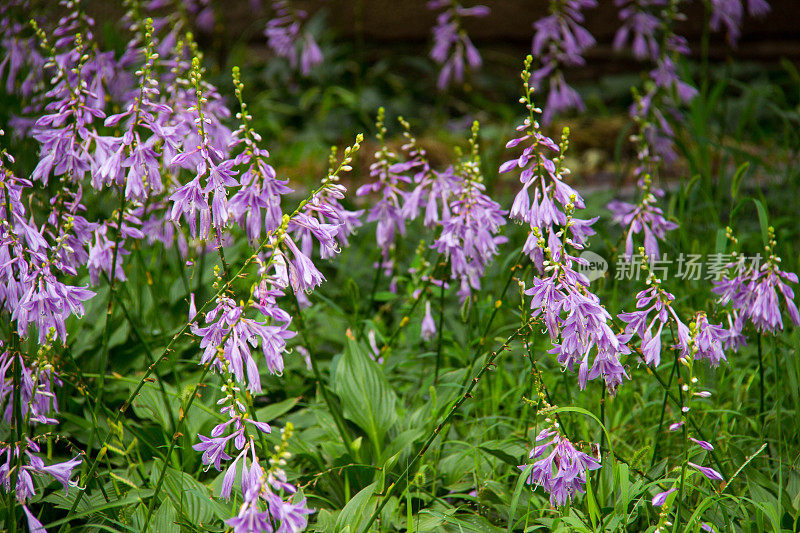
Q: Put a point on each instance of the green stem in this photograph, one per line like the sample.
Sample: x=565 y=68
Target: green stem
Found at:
x=663 y=410
x=437 y=430
x=685 y=456
x=761 y=384
x=439 y=336
x=175 y=437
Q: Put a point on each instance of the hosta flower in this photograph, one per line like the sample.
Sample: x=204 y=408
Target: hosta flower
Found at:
x=561 y=40
x=428 y=327
x=645 y=218
x=708 y=472
x=729 y=13
x=452 y=47
x=468 y=238
x=709 y=340
x=560 y=297
x=285 y=36
x=661 y=498
x=560 y=468
x=38 y=401
x=756 y=294
x=640 y=22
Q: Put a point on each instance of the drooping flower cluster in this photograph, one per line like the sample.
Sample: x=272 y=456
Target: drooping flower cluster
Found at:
x=30 y=401
x=259 y=485
x=452 y=47
x=560 y=40
x=705 y=337
x=12 y=455
x=469 y=236
x=560 y=468
x=232 y=331
x=390 y=178
x=730 y=13
x=288 y=39
x=576 y=321
x=754 y=293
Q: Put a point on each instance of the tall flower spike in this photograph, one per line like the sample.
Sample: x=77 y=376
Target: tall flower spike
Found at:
x=469 y=238
x=645 y=217
x=390 y=181
x=578 y=325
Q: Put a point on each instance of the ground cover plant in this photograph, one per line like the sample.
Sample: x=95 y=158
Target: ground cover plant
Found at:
x=439 y=324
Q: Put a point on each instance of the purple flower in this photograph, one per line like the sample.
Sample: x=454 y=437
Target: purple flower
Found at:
x=729 y=13
x=284 y=37
x=213 y=450
x=703 y=444
x=562 y=472
x=561 y=40
x=709 y=340
x=452 y=47
x=661 y=498
x=643 y=218
x=34 y=526
x=428 y=329
x=755 y=294
x=710 y=473
x=62 y=471
x=640 y=25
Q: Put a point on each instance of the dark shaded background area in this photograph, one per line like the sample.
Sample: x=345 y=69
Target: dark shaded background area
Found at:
x=387 y=23
x=376 y=54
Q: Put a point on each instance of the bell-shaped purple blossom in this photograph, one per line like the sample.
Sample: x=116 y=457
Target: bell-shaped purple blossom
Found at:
x=560 y=468
x=285 y=37
x=561 y=40
x=730 y=13
x=428 y=327
x=755 y=294
x=452 y=47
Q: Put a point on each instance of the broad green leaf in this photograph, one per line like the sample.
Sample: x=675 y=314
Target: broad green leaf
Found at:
x=359 y=507
x=367 y=398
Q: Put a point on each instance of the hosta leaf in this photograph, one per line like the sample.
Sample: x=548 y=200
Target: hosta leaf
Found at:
x=367 y=399
x=358 y=509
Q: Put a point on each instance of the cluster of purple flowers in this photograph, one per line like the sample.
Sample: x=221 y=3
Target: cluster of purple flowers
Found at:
x=755 y=294
x=560 y=468
x=232 y=331
x=576 y=321
x=170 y=124
x=469 y=232
x=452 y=47
x=730 y=13
x=454 y=201
x=698 y=340
x=288 y=39
x=560 y=40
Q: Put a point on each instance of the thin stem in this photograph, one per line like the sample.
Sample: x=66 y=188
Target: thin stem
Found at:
x=663 y=410
x=761 y=384
x=685 y=455
x=439 y=336
x=695 y=427
x=467 y=394
x=175 y=437
x=112 y=277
